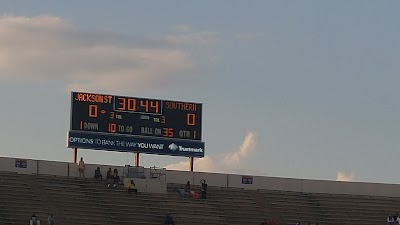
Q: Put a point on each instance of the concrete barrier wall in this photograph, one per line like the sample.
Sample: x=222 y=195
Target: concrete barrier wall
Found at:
x=53 y=168
x=235 y=180
x=277 y=183
x=156 y=186
x=213 y=179
x=179 y=177
x=8 y=164
x=354 y=188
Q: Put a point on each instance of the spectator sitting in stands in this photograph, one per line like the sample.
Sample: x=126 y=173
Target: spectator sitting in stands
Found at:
x=398 y=220
x=111 y=183
x=298 y=223
x=51 y=220
x=132 y=187
x=194 y=195
x=168 y=220
x=395 y=219
x=97 y=174
x=187 y=187
x=34 y=220
x=116 y=177
x=265 y=222
x=183 y=192
x=390 y=220
x=109 y=174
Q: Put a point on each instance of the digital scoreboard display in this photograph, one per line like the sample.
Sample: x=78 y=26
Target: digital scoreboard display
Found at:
x=120 y=123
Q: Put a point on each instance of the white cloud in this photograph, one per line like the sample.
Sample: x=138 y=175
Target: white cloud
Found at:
x=231 y=162
x=233 y=159
x=46 y=47
x=342 y=176
x=205 y=164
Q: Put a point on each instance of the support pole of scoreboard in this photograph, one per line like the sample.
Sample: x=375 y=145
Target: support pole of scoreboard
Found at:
x=191 y=163
x=136 y=158
x=75 y=155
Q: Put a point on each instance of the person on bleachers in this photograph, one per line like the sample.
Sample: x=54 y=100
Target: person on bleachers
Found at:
x=81 y=168
x=183 y=192
x=398 y=220
x=187 y=187
x=203 y=189
x=34 y=220
x=111 y=183
x=132 y=187
x=168 y=220
x=390 y=220
x=194 y=194
x=97 y=174
x=116 y=177
x=299 y=223
x=395 y=216
x=51 y=220
x=265 y=222
x=109 y=174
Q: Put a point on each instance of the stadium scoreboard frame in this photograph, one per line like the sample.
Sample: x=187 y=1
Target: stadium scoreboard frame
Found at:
x=135 y=124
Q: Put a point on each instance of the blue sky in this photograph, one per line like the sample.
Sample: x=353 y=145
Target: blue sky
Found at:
x=303 y=89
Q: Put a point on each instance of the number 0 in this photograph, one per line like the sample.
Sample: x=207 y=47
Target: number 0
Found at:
x=93 y=110
x=191 y=119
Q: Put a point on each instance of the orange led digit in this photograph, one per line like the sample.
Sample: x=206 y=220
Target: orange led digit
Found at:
x=145 y=103
x=93 y=111
x=154 y=104
x=122 y=103
x=191 y=119
x=131 y=104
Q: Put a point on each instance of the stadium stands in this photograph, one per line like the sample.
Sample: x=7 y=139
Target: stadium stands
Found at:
x=18 y=200
x=83 y=202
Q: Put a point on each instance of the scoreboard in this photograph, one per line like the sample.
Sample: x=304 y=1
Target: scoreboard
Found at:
x=120 y=123
x=136 y=116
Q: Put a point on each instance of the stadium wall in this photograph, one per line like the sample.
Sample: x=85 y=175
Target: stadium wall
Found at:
x=213 y=179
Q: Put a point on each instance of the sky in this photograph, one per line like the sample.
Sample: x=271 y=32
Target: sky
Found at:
x=297 y=89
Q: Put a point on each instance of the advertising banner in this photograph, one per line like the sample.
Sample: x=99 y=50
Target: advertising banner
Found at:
x=130 y=143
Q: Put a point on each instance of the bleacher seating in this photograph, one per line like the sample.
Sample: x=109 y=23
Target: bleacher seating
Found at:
x=87 y=201
x=234 y=206
x=18 y=200
x=356 y=209
x=292 y=207
x=330 y=209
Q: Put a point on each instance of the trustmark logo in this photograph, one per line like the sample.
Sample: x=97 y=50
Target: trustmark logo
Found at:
x=173 y=147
